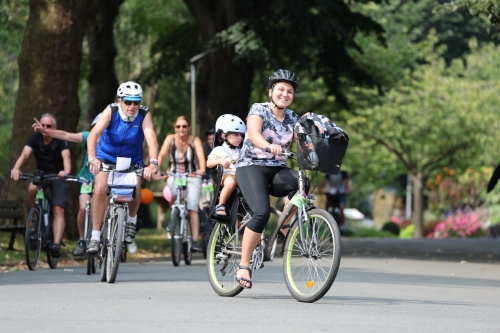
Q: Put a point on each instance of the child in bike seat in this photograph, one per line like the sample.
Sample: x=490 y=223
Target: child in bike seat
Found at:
x=231 y=129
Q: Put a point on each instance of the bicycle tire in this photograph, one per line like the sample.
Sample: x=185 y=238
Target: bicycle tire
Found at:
x=115 y=245
x=123 y=254
x=51 y=260
x=175 y=238
x=205 y=238
x=91 y=260
x=309 y=278
x=104 y=246
x=89 y=265
x=186 y=246
x=221 y=266
x=32 y=238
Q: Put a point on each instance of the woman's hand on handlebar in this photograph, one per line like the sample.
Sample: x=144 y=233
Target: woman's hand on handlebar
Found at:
x=274 y=149
x=94 y=166
x=200 y=172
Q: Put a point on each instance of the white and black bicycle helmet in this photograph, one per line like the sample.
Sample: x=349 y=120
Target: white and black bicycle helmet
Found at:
x=229 y=123
x=96 y=119
x=130 y=90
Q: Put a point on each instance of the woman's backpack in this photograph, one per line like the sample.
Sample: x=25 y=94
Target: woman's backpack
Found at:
x=321 y=143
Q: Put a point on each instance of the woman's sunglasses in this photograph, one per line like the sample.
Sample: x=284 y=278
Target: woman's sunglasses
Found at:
x=179 y=126
x=132 y=102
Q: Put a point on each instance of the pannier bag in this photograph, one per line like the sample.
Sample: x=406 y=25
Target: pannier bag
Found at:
x=321 y=144
x=122 y=186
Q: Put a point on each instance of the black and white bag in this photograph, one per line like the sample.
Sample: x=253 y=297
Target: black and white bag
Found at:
x=321 y=143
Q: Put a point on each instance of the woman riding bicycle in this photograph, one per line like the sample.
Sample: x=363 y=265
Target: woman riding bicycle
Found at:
x=185 y=155
x=260 y=173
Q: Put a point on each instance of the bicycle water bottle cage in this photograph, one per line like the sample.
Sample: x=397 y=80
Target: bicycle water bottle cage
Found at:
x=122 y=186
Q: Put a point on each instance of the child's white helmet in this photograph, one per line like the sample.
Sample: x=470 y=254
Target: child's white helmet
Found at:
x=229 y=123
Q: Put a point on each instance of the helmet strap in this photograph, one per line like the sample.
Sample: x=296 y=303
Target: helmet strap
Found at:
x=272 y=101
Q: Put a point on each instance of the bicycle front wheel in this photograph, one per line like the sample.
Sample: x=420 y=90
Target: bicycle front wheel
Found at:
x=311 y=268
x=176 y=238
x=186 y=246
x=104 y=246
x=51 y=260
x=32 y=238
x=221 y=264
x=115 y=245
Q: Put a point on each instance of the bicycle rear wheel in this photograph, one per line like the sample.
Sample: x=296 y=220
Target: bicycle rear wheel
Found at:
x=205 y=235
x=176 y=238
x=123 y=254
x=186 y=246
x=115 y=245
x=311 y=269
x=32 y=238
x=221 y=265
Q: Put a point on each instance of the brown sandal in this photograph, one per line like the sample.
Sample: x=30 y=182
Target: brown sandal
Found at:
x=239 y=279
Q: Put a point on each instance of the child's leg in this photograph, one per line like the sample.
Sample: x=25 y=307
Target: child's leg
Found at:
x=229 y=186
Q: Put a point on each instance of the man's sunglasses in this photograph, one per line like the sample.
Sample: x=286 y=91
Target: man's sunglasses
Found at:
x=132 y=102
x=46 y=125
x=179 y=126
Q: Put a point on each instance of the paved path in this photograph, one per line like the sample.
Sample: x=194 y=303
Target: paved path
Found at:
x=373 y=292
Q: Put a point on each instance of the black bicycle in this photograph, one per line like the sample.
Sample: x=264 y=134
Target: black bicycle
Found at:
x=39 y=231
x=311 y=249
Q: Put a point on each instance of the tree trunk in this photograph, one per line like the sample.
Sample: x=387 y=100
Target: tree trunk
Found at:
x=102 y=78
x=223 y=85
x=49 y=70
x=418 y=204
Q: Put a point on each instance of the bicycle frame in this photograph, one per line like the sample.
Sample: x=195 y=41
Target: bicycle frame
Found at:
x=44 y=205
x=296 y=207
x=180 y=203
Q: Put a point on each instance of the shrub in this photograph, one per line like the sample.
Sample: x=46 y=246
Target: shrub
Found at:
x=461 y=225
x=391 y=227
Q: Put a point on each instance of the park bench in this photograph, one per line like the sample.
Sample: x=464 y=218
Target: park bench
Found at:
x=11 y=212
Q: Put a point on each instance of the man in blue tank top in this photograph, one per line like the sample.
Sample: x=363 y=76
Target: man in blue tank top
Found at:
x=122 y=129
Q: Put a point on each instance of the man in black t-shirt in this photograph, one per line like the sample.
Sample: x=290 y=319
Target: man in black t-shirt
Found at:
x=52 y=156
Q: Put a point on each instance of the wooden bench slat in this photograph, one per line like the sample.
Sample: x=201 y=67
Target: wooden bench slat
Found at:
x=10 y=204
x=11 y=214
x=8 y=228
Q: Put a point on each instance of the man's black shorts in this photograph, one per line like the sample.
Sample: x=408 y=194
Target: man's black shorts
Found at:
x=59 y=192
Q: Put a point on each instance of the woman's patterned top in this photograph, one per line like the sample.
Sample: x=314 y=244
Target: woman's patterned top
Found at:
x=274 y=131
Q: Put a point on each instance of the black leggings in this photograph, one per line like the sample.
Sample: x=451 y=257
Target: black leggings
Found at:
x=257 y=182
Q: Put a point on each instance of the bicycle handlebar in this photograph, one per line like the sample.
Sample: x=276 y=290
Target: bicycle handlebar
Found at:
x=286 y=153
x=54 y=176
x=187 y=174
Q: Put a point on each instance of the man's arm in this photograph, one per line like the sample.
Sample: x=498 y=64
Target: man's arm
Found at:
x=94 y=135
x=57 y=134
x=66 y=155
x=15 y=172
x=150 y=135
x=147 y=126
